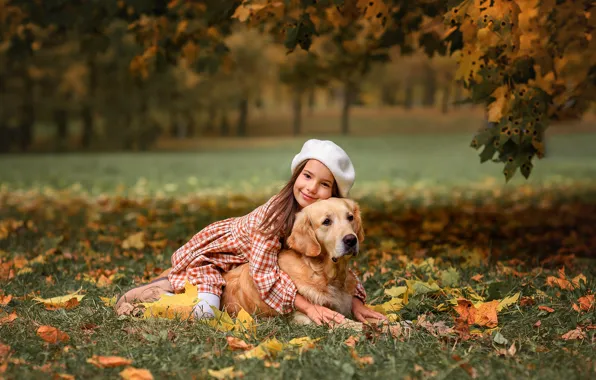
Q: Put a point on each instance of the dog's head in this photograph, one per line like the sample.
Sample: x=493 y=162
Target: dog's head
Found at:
x=333 y=226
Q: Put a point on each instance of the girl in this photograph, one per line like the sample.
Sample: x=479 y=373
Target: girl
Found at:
x=321 y=170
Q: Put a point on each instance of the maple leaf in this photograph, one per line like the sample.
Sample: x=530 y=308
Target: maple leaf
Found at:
x=469 y=64
x=266 y=349
x=108 y=361
x=4 y=300
x=238 y=344
x=173 y=306
x=575 y=334
x=134 y=241
x=305 y=343
x=66 y=302
x=245 y=323
x=508 y=301
x=585 y=303
x=8 y=318
x=500 y=105
x=132 y=373
x=225 y=373
x=52 y=335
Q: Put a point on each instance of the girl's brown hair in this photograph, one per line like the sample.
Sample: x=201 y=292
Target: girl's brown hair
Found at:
x=281 y=213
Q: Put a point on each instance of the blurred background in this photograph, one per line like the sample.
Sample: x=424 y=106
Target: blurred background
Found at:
x=71 y=119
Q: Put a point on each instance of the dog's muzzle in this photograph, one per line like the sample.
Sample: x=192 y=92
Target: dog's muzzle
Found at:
x=350 y=246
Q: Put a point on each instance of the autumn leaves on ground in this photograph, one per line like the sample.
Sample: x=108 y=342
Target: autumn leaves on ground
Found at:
x=486 y=283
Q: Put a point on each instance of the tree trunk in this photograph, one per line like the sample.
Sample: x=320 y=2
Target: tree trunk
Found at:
x=430 y=86
x=297 y=110
x=87 y=111
x=457 y=96
x=27 y=113
x=345 y=110
x=128 y=138
x=224 y=123
x=445 y=100
x=311 y=100
x=409 y=95
x=388 y=97
x=242 y=117
x=211 y=119
x=190 y=125
x=61 y=120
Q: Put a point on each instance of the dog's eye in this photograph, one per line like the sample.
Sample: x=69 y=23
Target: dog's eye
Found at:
x=350 y=218
x=327 y=222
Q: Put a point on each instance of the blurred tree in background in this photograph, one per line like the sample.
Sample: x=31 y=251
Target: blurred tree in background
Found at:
x=118 y=74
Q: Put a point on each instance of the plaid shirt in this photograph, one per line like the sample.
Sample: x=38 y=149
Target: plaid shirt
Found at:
x=223 y=245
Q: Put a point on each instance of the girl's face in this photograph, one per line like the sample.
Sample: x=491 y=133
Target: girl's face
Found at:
x=313 y=183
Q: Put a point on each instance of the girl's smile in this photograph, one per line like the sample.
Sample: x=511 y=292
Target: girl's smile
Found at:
x=314 y=182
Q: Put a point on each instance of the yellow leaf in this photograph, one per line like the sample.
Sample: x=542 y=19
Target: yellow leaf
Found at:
x=267 y=349
x=469 y=64
x=225 y=373
x=109 y=302
x=393 y=305
x=499 y=106
x=173 y=306
x=221 y=322
x=245 y=323
x=132 y=373
x=60 y=302
x=304 y=343
x=545 y=82
x=238 y=344
x=134 y=241
x=508 y=301
x=396 y=291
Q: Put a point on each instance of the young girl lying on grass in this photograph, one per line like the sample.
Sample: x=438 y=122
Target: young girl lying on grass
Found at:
x=319 y=171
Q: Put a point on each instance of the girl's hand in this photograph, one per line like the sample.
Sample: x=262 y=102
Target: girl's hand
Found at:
x=318 y=314
x=363 y=313
x=322 y=315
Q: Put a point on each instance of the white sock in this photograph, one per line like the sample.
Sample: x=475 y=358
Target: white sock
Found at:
x=203 y=309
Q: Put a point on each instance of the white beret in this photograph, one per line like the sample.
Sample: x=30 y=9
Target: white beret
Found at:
x=332 y=156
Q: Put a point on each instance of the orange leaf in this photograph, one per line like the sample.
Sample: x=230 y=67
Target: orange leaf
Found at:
x=52 y=335
x=576 y=334
x=546 y=308
x=560 y=282
x=238 y=344
x=131 y=373
x=4 y=300
x=466 y=310
x=351 y=341
x=71 y=303
x=477 y=277
x=108 y=361
x=9 y=318
x=486 y=314
x=4 y=351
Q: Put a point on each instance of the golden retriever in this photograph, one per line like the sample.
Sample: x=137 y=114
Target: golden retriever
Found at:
x=325 y=234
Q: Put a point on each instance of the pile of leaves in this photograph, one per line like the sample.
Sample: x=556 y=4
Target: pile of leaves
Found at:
x=470 y=286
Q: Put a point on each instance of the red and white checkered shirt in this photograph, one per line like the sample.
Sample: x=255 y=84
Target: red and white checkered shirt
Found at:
x=223 y=245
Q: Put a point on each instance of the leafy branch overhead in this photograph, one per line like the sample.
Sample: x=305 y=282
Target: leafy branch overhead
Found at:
x=530 y=62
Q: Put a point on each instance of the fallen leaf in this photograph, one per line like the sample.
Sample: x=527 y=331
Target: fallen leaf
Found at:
x=351 y=341
x=585 y=303
x=62 y=301
x=64 y=376
x=238 y=344
x=304 y=343
x=245 y=323
x=225 y=373
x=108 y=361
x=361 y=361
x=134 y=241
x=576 y=334
x=52 y=335
x=4 y=351
x=267 y=349
x=477 y=277
x=132 y=373
x=546 y=308
x=508 y=301
x=4 y=300
x=8 y=318
x=109 y=302
x=538 y=323
x=173 y=306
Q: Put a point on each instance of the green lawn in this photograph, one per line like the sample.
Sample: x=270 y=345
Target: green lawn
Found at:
x=394 y=160
x=484 y=248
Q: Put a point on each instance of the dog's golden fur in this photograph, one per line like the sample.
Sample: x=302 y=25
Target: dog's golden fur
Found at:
x=316 y=260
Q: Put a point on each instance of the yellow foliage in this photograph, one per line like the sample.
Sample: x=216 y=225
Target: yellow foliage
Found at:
x=500 y=105
x=58 y=302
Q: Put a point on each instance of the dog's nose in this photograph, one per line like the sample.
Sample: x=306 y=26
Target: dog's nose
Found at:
x=350 y=240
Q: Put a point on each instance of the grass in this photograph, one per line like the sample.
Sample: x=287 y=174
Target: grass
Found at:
x=429 y=217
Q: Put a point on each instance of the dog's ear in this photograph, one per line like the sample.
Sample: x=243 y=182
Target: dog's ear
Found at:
x=303 y=238
x=357 y=218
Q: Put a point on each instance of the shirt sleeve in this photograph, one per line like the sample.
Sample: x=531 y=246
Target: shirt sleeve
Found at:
x=275 y=287
x=359 y=293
